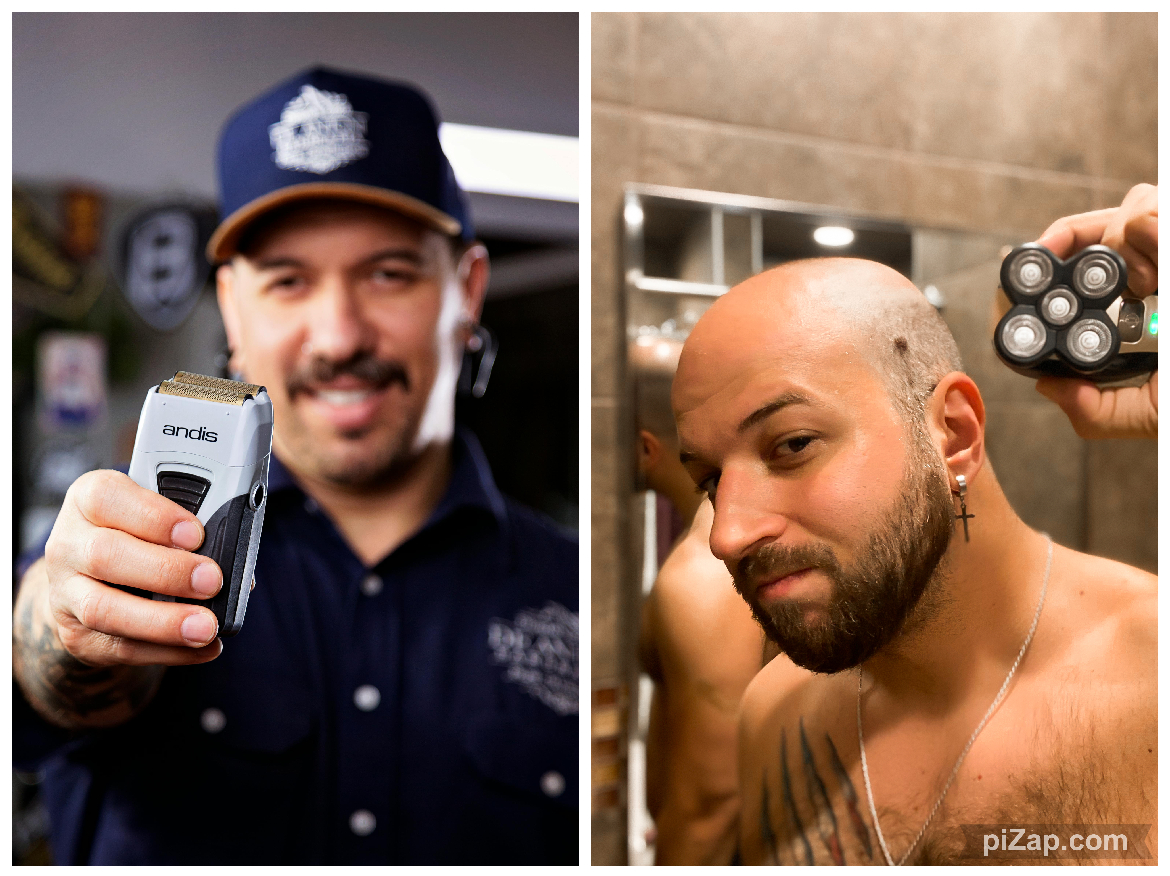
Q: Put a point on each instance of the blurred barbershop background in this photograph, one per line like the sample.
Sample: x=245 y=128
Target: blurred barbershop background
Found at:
x=115 y=119
x=726 y=143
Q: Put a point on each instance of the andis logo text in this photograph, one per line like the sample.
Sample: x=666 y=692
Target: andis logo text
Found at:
x=200 y=434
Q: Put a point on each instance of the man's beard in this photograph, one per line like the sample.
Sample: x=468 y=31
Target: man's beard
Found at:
x=871 y=600
x=354 y=466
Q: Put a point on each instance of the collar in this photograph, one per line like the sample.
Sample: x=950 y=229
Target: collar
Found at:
x=471 y=485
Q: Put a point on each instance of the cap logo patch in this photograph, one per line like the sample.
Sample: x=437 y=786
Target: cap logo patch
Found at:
x=318 y=132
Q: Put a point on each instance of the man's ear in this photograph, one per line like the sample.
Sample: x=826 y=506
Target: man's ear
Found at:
x=649 y=451
x=956 y=421
x=472 y=273
x=225 y=293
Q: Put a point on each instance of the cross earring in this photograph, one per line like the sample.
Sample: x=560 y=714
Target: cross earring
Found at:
x=964 y=516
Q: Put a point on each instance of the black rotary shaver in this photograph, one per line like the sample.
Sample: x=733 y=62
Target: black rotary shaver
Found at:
x=1070 y=318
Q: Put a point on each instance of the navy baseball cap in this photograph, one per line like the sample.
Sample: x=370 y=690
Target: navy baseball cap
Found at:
x=324 y=134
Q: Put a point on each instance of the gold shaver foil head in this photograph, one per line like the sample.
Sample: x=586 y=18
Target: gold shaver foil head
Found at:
x=216 y=389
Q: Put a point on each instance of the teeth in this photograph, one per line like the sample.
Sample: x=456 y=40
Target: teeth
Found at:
x=343 y=396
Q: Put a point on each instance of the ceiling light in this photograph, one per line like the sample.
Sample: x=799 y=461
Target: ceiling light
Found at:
x=833 y=235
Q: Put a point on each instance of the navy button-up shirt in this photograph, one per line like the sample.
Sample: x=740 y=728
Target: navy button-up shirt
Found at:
x=420 y=711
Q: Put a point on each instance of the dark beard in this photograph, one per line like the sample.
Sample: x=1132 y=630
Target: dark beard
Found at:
x=870 y=601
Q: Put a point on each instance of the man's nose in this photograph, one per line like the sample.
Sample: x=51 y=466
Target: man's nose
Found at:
x=747 y=513
x=337 y=327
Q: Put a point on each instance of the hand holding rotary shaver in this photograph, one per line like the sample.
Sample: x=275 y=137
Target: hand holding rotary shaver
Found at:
x=1095 y=409
x=1070 y=319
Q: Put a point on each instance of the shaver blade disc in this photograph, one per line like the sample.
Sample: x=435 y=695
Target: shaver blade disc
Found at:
x=1089 y=341
x=1059 y=307
x=1095 y=275
x=1030 y=271
x=1023 y=336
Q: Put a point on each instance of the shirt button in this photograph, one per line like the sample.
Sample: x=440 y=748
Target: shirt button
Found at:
x=367 y=697
x=552 y=783
x=311 y=505
x=371 y=585
x=212 y=720
x=363 y=822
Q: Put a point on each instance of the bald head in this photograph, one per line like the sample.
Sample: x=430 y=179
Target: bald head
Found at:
x=861 y=311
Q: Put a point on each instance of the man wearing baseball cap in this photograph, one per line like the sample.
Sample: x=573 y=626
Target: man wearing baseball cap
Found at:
x=404 y=689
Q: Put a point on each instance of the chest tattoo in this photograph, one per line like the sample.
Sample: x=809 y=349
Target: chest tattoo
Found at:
x=817 y=798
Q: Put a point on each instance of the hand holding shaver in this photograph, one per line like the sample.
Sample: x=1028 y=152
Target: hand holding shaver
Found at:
x=1070 y=317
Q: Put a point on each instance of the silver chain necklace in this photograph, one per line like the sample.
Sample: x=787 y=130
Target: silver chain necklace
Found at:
x=994 y=705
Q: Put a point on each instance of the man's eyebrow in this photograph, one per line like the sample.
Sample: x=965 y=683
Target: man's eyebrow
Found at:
x=277 y=262
x=402 y=254
x=765 y=411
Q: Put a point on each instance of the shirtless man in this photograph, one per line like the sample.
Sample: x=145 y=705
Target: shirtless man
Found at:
x=823 y=408
x=700 y=645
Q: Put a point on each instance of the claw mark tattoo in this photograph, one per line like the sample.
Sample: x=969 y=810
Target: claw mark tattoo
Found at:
x=790 y=802
x=850 y=795
x=819 y=798
x=769 y=836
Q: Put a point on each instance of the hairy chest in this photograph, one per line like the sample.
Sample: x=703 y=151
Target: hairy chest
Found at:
x=805 y=799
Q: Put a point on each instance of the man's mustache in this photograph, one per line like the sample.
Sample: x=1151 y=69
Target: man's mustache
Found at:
x=773 y=561
x=379 y=373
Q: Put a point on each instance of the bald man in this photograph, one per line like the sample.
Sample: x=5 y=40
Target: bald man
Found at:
x=958 y=668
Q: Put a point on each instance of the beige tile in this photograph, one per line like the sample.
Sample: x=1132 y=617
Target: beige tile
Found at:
x=841 y=76
x=1130 y=96
x=612 y=467
x=962 y=196
x=716 y=157
x=1018 y=88
x=1039 y=462
x=606 y=477
x=605 y=356
x=1123 y=502
x=614 y=136
x=605 y=650
x=721 y=158
x=611 y=35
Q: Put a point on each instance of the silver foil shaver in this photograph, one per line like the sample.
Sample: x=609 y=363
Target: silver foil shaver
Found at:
x=205 y=443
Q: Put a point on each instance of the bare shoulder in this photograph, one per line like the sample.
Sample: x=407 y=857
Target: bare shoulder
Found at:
x=780 y=689
x=1102 y=664
x=1109 y=614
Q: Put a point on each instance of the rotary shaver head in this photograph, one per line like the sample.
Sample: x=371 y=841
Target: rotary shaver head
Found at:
x=1070 y=319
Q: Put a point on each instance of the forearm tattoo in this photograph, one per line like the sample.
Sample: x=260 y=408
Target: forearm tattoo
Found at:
x=795 y=839
x=71 y=693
